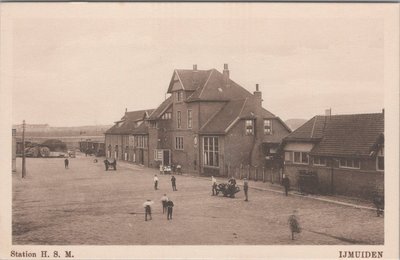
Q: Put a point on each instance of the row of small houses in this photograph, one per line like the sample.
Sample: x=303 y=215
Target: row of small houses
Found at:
x=210 y=125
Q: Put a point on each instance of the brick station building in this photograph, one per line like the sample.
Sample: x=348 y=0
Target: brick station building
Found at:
x=119 y=138
x=208 y=125
x=345 y=152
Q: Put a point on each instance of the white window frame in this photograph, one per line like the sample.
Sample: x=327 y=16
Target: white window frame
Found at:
x=214 y=152
x=179 y=144
x=268 y=127
x=247 y=127
x=301 y=157
x=347 y=166
x=189 y=119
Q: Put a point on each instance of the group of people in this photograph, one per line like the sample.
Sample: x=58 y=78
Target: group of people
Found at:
x=166 y=169
x=167 y=206
x=173 y=182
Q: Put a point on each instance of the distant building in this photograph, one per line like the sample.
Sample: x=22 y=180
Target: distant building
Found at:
x=209 y=125
x=119 y=138
x=14 y=150
x=345 y=152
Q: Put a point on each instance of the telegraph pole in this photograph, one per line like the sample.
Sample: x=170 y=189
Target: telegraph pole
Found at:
x=23 y=150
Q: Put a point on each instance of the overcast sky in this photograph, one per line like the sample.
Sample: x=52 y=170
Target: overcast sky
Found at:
x=83 y=64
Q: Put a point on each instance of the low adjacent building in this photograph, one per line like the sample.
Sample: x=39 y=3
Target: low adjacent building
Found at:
x=119 y=139
x=344 y=152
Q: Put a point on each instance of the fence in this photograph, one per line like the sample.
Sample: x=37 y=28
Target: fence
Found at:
x=255 y=173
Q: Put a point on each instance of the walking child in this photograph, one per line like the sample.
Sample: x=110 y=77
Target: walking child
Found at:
x=294 y=225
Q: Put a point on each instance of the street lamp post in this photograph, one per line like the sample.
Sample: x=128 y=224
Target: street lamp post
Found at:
x=23 y=150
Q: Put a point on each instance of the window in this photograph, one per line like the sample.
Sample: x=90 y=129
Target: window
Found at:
x=211 y=151
x=153 y=124
x=249 y=127
x=189 y=119
x=267 y=127
x=166 y=116
x=300 y=157
x=349 y=163
x=380 y=163
x=179 y=96
x=321 y=161
x=141 y=141
x=178 y=119
x=178 y=143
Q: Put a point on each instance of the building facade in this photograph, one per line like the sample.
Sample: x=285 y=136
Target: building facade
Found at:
x=344 y=152
x=119 y=139
x=209 y=125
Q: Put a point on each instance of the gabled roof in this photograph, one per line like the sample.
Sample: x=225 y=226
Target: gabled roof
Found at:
x=189 y=79
x=233 y=111
x=215 y=89
x=341 y=135
x=159 y=111
x=129 y=122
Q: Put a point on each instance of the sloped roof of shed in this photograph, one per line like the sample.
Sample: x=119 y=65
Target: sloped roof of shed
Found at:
x=341 y=135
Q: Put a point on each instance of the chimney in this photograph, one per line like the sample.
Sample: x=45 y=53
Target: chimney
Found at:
x=195 y=78
x=383 y=111
x=258 y=96
x=194 y=67
x=328 y=112
x=226 y=74
x=126 y=110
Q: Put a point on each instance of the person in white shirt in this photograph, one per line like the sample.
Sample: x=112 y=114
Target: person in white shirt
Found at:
x=214 y=185
x=164 y=200
x=155 y=182
x=147 y=208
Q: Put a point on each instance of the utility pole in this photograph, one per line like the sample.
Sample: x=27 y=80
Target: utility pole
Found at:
x=23 y=150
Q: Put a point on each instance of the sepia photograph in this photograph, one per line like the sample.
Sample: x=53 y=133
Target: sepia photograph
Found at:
x=199 y=130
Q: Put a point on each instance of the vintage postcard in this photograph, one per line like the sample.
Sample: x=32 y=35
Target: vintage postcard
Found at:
x=199 y=130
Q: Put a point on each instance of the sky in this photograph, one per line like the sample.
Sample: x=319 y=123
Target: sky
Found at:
x=83 y=64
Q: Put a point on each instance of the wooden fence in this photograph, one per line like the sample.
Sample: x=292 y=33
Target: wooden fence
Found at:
x=255 y=173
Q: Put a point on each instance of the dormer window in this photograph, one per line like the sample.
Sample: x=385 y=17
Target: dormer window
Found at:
x=267 y=127
x=249 y=127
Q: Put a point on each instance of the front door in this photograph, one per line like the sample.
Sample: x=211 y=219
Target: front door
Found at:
x=141 y=156
x=166 y=157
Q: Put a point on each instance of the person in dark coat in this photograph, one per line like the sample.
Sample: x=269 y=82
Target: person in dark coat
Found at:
x=170 y=205
x=106 y=164
x=66 y=163
x=173 y=182
x=246 y=189
x=155 y=182
x=286 y=183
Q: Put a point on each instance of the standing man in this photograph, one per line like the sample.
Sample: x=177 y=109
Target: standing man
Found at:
x=66 y=163
x=164 y=200
x=246 y=189
x=147 y=208
x=170 y=205
x=161 y=169
x=213 y=185
x=173 y=181
x=286 y=183
x=155 y=182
